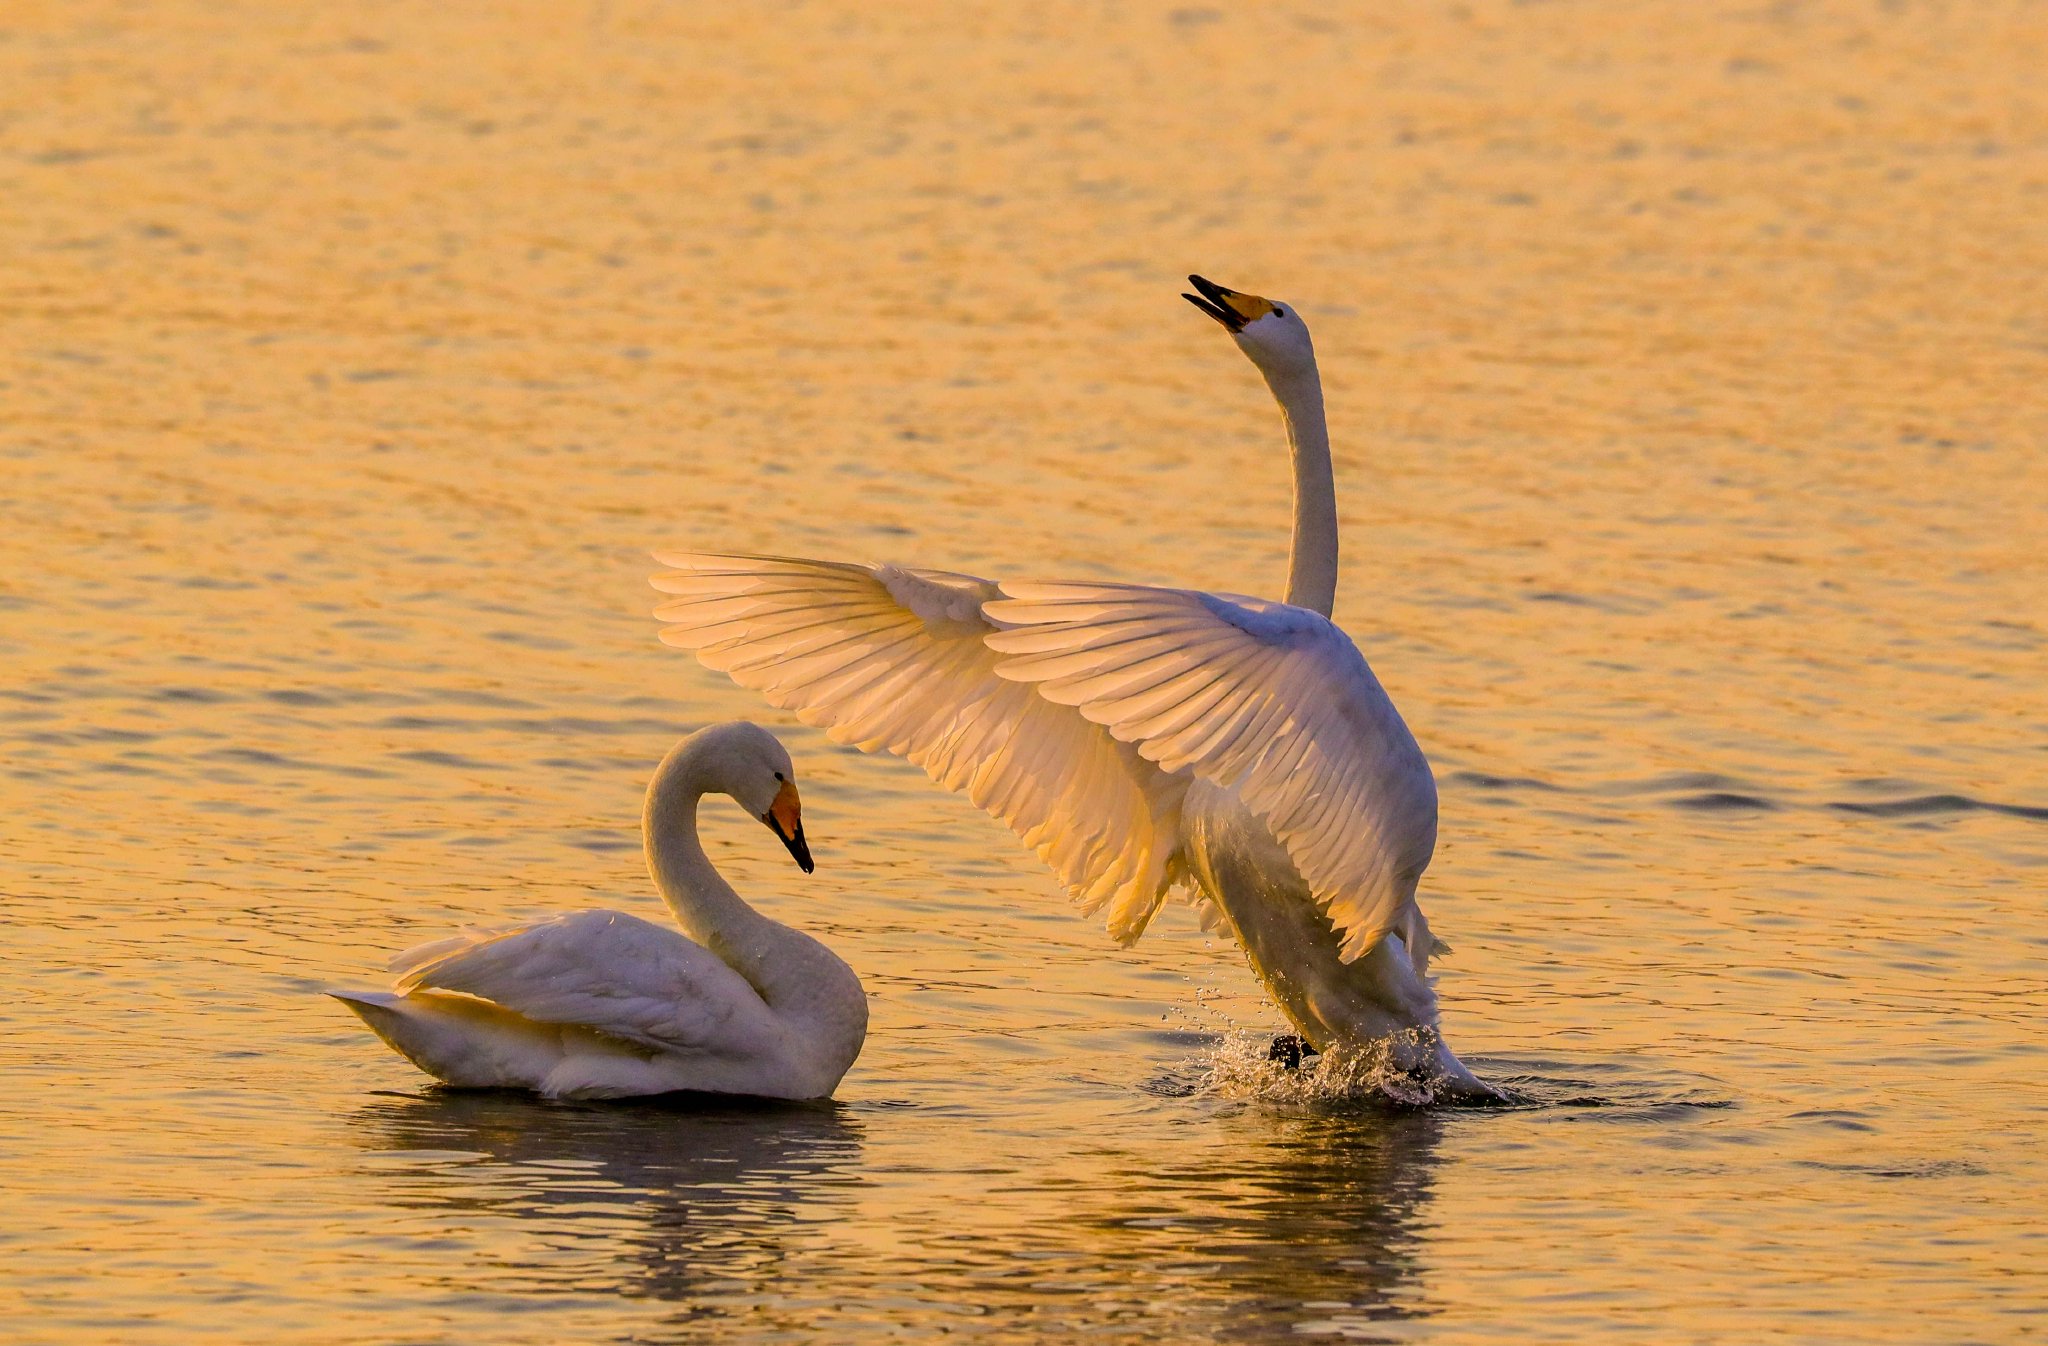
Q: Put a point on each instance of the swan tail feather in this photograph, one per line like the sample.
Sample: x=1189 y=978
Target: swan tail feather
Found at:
x=460 y=1040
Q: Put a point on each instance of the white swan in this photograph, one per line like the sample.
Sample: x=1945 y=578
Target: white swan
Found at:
x=600 y=1004
x=1137 y=737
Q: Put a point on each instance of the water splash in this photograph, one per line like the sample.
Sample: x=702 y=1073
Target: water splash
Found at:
x=1242 y=1065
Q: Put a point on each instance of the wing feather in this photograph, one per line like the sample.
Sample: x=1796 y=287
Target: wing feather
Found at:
x=883 y=657
x=603 y=970
x=1272 y=701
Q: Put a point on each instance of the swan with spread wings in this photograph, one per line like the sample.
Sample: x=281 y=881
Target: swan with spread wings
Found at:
x=1138 y=737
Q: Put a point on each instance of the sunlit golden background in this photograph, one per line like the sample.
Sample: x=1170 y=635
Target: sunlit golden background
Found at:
x=1686 y=370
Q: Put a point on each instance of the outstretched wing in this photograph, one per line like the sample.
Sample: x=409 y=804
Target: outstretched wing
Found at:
x=1271 y=700
x=887 y=658
x=604 y=970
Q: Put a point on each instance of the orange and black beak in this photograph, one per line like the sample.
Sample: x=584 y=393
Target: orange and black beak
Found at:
x=786 y=820
x=1228 y=307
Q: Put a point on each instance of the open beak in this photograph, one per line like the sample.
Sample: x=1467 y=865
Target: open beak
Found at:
x=1228 y=307
x=786 y=820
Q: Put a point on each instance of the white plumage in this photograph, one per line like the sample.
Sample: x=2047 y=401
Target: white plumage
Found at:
x=605 y=970
x=897 y=660
x=602 y=1004
x=1137 y=737
x=1268 y=700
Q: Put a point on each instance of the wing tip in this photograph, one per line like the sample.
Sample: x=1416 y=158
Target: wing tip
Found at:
x=676 y=637
x=681 y=558
x=374 y=999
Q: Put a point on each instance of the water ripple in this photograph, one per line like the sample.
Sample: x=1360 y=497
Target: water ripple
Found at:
x=1923 y=806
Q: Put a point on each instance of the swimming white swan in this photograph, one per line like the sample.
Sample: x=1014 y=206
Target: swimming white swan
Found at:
x=600 y=1004
x=1137 y=737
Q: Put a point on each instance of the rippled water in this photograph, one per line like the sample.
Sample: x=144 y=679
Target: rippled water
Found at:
x=1685 y=370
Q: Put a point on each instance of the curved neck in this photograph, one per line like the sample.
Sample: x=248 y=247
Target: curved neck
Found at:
x=1312 y=564
x=704 y=904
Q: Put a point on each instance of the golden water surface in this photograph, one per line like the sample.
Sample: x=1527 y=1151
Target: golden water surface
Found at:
x=1686 y=370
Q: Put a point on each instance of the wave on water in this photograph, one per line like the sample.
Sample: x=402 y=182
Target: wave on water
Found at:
x=1710 y=793
x=1724 y=801
x=1921 y=806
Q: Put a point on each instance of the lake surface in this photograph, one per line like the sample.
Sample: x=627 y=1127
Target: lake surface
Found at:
x=1686 y=371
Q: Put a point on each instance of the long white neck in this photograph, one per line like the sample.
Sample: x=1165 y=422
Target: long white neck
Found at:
x=807 y=985
x=1312 y=564
x=704 y=904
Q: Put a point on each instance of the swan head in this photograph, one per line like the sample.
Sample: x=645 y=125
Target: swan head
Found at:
x=747 y=762
x=1270 y=333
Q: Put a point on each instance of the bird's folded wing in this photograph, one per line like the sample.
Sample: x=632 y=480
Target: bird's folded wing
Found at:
x=888 y=658
x=604 y=970
x=1271 y=700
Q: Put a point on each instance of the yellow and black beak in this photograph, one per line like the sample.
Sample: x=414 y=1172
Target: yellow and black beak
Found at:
x=1228 y=307
x=786 y=820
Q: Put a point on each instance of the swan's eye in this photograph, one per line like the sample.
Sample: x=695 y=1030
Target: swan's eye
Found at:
x=778 y=775
x=1281 y=311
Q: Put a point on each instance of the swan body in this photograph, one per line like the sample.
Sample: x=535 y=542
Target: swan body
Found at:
x=602 y=1004
x=1383 y=1000
x=1141 y=737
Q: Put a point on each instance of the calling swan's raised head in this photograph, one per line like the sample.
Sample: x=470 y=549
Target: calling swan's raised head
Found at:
x=1271 y=334
x=1229 y=307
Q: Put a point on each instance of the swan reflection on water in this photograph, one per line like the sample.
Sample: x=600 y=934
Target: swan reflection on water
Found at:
x=728 y=1209
x=677 y=1198
x=1312 y=1223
